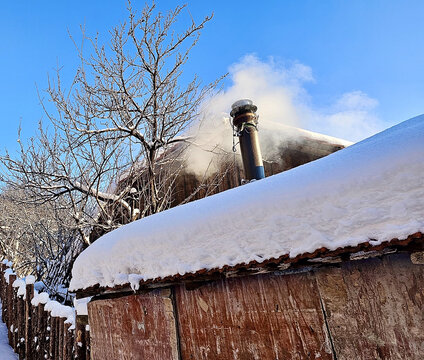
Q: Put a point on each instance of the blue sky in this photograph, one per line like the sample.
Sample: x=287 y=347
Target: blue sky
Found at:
x=365 y=53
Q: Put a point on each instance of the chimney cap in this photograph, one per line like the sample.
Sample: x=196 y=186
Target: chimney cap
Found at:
x=242 y=105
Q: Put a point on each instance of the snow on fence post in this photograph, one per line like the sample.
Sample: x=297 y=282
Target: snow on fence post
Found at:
x=38 y=328
x=29 y=289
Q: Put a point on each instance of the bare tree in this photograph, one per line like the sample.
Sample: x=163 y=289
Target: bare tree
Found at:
x=55 y=168
x=112 y=143
x=125 y=110
x=39 y=240
x=132 y=91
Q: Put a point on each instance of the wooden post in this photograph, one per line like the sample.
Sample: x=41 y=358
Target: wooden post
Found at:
x=3 y=291
x=48 y=335
x=57 y=342
x=7 y=303
x=11 y=309
x=42 y=332
x=87 y=343
x=72 y=344
x=80 y=340
x=67 y=342
x=21 y=326
x=58 y=335
x=29 y=341
x=52 y=336
x=34 y=331
x=15 y=319
x=61 y=327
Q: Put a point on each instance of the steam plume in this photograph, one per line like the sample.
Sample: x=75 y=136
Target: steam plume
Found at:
x=283 y=102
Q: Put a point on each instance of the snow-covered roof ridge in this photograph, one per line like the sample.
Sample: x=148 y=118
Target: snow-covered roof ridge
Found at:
x=371 y=190
x=287 y=131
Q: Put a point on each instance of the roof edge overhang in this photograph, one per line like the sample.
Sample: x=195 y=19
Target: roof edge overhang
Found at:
x=281 y=265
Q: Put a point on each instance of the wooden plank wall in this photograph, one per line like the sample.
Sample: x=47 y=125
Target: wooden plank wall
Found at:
x=365 y=309
x=255 y=317
x=375 y=308
x=133 y=327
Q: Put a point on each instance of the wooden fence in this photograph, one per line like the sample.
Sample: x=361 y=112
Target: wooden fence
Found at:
x=36 y=332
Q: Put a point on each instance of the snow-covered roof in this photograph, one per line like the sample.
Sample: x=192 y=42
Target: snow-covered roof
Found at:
x=284 y=132
x=372 y=191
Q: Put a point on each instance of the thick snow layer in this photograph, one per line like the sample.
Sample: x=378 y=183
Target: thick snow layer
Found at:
x=7 y=262
x=371 y=190
x=281 y=133
x=30 y=279
x=81 y=305
x=56 y=309
x=20 y=284
x=9 y=271
x=40 y=298
x=6 y=352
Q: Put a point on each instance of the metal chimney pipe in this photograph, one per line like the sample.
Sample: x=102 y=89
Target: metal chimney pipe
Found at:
x=245 y=123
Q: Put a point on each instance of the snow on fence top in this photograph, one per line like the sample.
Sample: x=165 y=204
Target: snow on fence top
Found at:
x=371 y=191
x=55 y=308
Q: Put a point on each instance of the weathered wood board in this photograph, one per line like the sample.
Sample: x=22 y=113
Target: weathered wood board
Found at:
x=133 y=327
x=375 y=308
x=258 y=317
x=364 y=309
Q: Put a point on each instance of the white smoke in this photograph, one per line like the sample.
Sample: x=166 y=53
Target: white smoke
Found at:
x=352 y=117
x=279 y=92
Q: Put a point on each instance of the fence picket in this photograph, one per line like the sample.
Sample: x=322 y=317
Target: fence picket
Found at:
x=28 y=326
x=28 y=322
